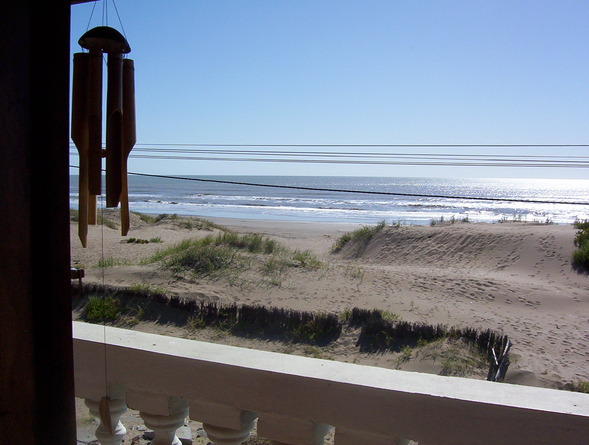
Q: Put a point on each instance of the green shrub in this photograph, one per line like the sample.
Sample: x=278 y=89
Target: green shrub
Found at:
x=582 y=225
x=581 y=254
x=582 y=238
x=581 y=258
x=99 y=310
x=580 y=386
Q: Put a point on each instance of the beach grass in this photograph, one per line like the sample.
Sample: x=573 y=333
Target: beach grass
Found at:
x=360 y=238
x=145 y=288
x=209 y=255
x=451 y=220
x=202 y=259
x=111 y=262
x=182 y=222
x=458 y=361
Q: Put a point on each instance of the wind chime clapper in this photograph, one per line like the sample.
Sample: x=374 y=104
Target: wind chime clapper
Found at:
x=87 y=123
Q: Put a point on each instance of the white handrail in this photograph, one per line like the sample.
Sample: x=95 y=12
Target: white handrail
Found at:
x=376 y=401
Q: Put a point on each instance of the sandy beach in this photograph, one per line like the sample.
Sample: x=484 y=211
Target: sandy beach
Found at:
x=515 y=278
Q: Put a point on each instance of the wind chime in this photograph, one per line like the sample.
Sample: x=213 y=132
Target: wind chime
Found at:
x=87 y=123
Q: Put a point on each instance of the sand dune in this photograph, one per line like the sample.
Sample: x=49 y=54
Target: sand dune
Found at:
x=515 y=278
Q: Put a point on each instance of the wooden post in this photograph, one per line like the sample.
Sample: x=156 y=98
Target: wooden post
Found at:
x=36 y=371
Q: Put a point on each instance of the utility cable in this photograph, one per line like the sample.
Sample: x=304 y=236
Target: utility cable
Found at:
x=345 y=154
x=377 y=145
x=555 y=164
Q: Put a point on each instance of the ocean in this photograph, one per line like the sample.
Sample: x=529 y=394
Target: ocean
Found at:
x=210 y=199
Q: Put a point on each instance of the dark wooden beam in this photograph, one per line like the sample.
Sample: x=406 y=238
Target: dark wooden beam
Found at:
x=36 y=367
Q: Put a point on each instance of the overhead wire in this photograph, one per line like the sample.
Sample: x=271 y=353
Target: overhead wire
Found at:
x=155 y=151
x=368 y=162
x=371 y=145
x=138 y=148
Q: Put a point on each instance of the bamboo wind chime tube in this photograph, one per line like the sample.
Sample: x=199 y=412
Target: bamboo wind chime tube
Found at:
x=87 y=123
x=114 y=128
x=80 y=138
x=129 y=138
x=94 y=91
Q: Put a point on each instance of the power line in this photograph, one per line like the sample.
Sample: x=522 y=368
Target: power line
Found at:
x=330 y=154
x=374 y=145
x=367 y=192
x=366 y=158
x=555 y=164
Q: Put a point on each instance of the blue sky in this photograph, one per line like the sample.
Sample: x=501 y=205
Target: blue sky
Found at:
x=357 y=72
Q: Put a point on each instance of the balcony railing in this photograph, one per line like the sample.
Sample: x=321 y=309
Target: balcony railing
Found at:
x=297 y=400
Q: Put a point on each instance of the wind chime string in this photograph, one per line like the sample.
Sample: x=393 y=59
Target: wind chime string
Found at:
x=91 y=15
x=119 y=17
x=87 y=117
x=104 y=301
x=104 y=405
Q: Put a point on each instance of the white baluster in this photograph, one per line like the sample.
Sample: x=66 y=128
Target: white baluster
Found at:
x=228 y=436
x=103 y=433
x=161 y=413
x=223 y=424
x=165 y=427
x=289 y=431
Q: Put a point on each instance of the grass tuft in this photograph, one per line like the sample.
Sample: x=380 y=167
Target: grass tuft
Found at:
x=111 y=262
x=211 y=254
x=145 y=218
x=202 y=260
x=361 y=237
